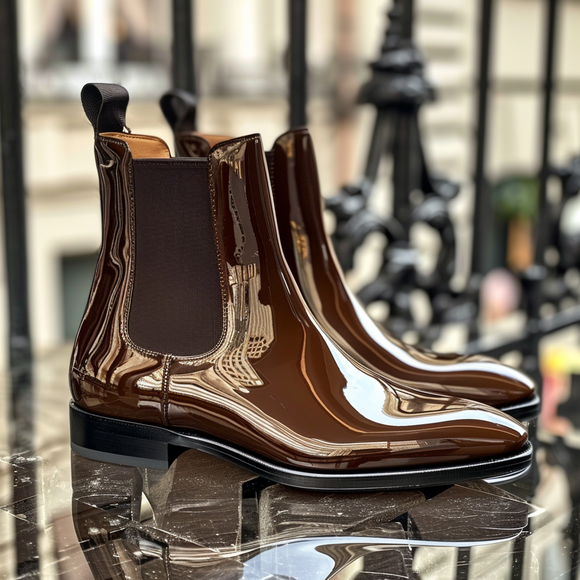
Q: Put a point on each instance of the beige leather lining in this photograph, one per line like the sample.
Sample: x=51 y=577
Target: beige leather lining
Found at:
x=143 y=146
x=213 y=140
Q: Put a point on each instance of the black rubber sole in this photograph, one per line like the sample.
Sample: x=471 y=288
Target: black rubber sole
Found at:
x=140 y=445
x=526 y=410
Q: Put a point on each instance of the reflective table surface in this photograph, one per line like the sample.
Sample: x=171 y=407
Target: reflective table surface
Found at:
x=65 y=516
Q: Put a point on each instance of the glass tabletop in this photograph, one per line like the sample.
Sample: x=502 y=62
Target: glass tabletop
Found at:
x=65 y=516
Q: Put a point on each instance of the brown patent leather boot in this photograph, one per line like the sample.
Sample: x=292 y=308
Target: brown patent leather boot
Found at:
x=310 y=255
x=196 y=336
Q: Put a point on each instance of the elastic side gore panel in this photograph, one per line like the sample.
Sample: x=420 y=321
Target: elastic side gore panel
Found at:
x=176 y=307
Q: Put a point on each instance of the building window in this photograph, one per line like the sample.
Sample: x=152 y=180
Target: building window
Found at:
x=67 y=43
x=77 y=276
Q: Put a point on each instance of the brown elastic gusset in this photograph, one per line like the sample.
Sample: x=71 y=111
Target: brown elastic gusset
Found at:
x=176 y=306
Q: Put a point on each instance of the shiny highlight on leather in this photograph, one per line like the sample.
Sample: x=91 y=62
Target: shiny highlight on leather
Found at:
x=277 y=384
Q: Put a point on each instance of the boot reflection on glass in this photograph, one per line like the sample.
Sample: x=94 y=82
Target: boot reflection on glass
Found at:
x=196 y=336
x=205 y=518
x=309 y=253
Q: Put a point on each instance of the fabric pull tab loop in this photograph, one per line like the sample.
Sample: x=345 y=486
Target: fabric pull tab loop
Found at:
x=105 y=106
x=179 y=108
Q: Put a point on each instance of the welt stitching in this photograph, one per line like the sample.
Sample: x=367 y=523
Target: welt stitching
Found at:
x=165 y=389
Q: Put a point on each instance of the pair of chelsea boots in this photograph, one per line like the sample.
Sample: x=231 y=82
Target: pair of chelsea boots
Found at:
x=218 y=320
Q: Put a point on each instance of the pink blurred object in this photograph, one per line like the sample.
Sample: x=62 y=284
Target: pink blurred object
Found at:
x=500 y=294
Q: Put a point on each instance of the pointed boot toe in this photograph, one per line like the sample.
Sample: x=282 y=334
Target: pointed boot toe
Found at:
x=312 y=260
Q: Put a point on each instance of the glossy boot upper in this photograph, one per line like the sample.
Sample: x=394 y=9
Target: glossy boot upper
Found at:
x=194 y=321
x=311 y=258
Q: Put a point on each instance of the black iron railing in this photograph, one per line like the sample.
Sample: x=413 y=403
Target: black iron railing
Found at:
x=21 y=410
x=398 y=89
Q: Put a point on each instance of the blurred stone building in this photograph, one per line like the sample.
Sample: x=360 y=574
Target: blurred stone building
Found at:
x=241 y=48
